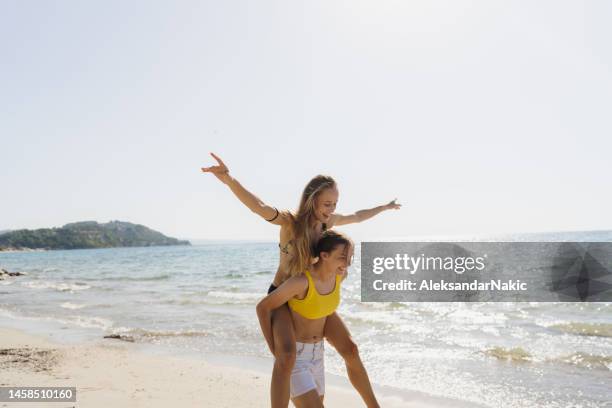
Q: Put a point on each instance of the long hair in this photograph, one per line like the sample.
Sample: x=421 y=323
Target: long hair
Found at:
x=302 y=219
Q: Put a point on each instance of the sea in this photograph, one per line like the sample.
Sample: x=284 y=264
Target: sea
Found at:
x=200 y=300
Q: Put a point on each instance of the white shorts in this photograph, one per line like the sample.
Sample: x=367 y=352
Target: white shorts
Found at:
x=309 y=371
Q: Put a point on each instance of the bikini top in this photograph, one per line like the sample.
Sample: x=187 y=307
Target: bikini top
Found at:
x=285 y=249
x=315 y=305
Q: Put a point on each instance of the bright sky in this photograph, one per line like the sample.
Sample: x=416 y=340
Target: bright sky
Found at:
x=479 y=116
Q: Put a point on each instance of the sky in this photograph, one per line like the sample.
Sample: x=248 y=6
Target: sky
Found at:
x=480 y=117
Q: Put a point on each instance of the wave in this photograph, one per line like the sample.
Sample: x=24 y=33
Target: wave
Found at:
x=240 y=296
x=585 y=329
x=381 y=305
x=378 y=319
x=189 y=302
x=262 y=273
x=587 y=360
x=579 y=359
x=102 y=278
x=90 y=322
x=238 y=275
x=216 y=298
x=72 y=306
x=515 y=354
x=62 y=287
x=138 y=333
x=162 y=276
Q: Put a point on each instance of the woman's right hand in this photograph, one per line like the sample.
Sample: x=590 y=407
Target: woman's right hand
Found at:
x=220 y=170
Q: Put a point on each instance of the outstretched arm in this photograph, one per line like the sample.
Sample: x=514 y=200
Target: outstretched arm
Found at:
x=362 y=215
x=290 y=288
x=249 y=199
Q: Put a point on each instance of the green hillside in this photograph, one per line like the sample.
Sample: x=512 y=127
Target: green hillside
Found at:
x=87 y=234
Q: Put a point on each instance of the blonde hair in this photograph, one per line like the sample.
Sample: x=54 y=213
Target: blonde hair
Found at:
x=302 y=219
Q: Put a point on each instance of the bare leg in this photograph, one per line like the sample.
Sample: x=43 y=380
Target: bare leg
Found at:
x=308 y=400
x=284 y=354
x=339 y=336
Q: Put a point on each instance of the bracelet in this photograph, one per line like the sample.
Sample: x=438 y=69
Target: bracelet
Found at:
x=273 y=218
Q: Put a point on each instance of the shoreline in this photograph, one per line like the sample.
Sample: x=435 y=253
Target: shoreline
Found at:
x=154 y=375
x=12 y=250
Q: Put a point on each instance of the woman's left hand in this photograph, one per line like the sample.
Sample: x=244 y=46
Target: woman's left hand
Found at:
x=392 y=205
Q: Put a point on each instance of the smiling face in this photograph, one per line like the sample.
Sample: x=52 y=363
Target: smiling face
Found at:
x=325 y=204
x=339 y=259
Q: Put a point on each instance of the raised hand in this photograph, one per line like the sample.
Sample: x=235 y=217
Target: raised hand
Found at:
x=220 y=170
x=392 y=205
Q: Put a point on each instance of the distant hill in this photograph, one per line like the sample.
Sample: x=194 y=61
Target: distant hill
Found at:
x=4 y=231
x=87 y=234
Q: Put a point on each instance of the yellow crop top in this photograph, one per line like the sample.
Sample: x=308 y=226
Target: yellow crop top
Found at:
x=315 y=305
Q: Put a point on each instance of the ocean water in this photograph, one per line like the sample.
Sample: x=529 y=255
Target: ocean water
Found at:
x=202 y=299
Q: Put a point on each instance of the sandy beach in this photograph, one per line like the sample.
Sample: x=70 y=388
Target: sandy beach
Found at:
x=120 y=374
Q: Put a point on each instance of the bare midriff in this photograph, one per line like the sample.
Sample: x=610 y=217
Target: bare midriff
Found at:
x=308 y=330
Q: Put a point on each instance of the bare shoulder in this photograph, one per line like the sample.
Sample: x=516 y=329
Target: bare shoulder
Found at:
x=298 y=282
x=284 y=218
x=300 y=285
